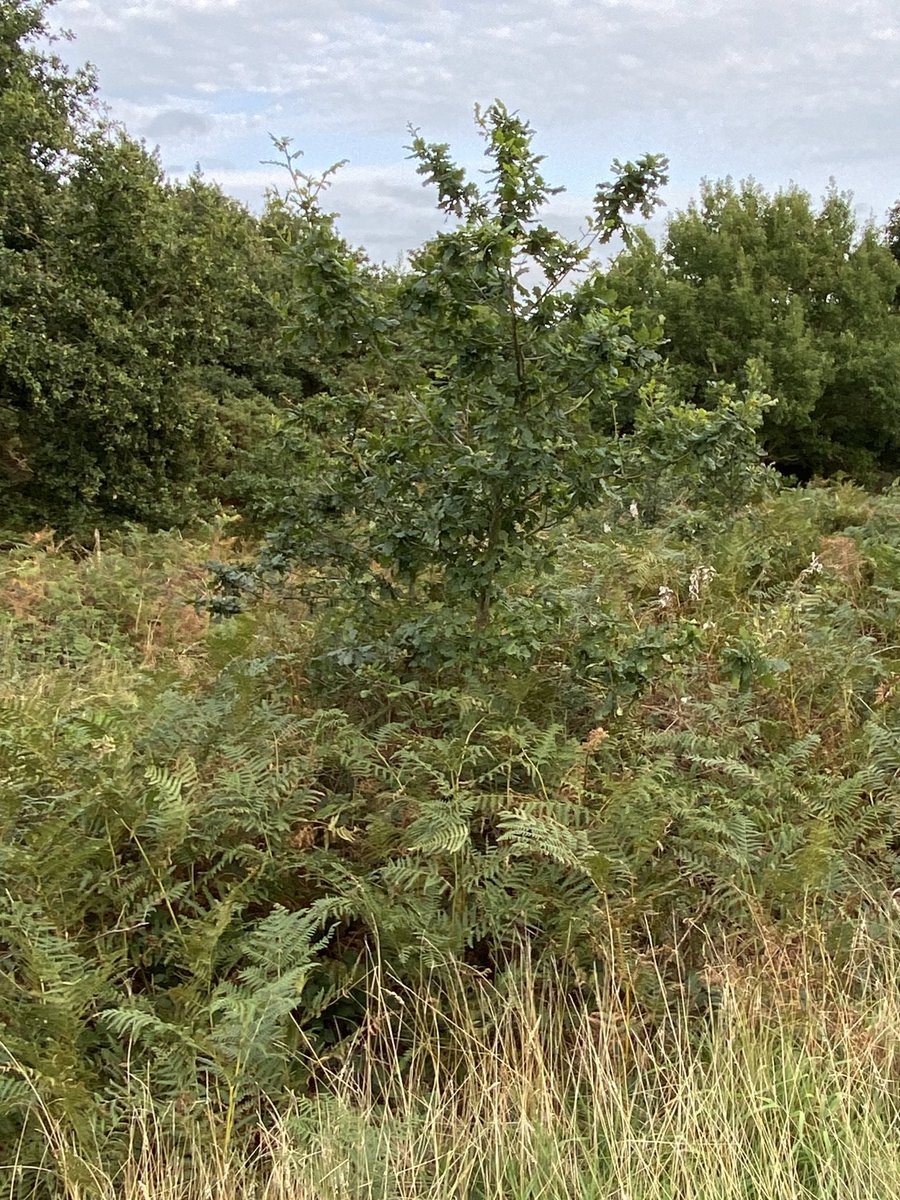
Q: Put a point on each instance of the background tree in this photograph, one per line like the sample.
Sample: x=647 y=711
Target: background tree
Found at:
x=892 y=231
x=809 y=298
x=40 y=105
x=140 y=357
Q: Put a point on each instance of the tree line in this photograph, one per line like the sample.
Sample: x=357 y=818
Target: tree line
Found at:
x=140 y=352
x=159 y=342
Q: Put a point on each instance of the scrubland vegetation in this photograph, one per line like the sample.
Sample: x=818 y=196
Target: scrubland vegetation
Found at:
x=616 y=922
x=440 y=755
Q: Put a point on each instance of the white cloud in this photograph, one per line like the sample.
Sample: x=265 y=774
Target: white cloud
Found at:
x=779 y=90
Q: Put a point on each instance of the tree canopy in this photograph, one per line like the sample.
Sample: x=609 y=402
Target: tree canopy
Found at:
x=743 y=277
x=138 y=346
x=153 y=333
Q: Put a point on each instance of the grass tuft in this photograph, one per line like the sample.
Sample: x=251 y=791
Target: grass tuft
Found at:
x=516 y=1089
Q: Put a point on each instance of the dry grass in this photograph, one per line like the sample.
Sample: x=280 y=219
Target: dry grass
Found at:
x=789 y=1089
x=92 y=623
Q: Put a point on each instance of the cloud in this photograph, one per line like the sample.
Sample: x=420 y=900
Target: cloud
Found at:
x=374 y=63
x=177 y=124
x=800 y=90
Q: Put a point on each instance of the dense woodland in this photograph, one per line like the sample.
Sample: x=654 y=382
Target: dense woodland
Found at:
x=449 y=714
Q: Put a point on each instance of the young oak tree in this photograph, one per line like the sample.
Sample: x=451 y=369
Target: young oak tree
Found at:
x=481 y=395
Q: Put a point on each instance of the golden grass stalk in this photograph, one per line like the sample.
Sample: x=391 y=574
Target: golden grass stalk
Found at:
x=789 y=1088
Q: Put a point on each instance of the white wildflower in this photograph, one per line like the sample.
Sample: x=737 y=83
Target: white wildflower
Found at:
x=701 y=576
x=816 y=567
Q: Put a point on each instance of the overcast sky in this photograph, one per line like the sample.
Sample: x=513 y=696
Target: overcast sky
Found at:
x=783 y=90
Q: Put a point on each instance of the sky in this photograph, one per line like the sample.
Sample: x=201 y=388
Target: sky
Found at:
x=784 y=91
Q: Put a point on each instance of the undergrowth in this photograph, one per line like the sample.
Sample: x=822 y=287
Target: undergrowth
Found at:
x=208 y=831
x=459 y=1088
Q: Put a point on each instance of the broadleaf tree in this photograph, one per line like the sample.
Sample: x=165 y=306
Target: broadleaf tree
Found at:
x=137 y=345
x=478 y=411
x=746 y=280
x=476 y=404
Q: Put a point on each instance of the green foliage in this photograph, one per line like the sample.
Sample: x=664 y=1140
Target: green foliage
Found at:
x=331 y=299
x=212 y=834
x=744 y=279
x=203 y=854
x=892 y=231
x=139 y=365
x=494 y=423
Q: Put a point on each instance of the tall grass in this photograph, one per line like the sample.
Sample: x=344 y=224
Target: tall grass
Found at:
x=716 y=715
x=519 y=1089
